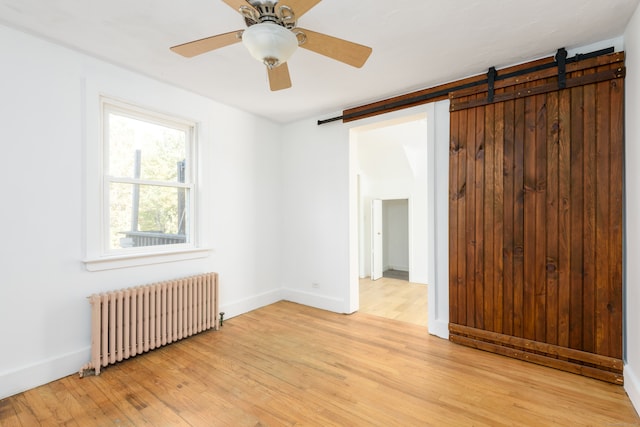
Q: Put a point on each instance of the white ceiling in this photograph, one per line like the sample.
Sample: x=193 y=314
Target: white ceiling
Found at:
x=416 y=44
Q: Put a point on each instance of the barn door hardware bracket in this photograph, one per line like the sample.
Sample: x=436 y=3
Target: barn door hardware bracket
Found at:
x=491 y=80
x=561 y=59
x=582 y=56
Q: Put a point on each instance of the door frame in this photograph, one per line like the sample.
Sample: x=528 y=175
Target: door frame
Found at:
x=377 y=243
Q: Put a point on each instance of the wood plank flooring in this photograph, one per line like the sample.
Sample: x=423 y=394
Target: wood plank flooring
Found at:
x=394 y=299
x=287 y=364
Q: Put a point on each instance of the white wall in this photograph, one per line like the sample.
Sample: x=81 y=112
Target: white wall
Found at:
x=632 y=210
x=44 y=313
x=315 y=177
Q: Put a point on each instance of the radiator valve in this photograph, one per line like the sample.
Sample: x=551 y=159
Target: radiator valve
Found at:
x=221 y=318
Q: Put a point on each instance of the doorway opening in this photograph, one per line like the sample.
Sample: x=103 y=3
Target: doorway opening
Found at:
x=391 y=159
x=390 y=239
x=432 y=268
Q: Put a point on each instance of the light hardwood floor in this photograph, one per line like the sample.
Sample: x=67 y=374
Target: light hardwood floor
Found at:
x=287 y=364
x=394 y=299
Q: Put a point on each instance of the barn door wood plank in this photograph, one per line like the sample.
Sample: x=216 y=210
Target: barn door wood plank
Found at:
x=529 y=216
x=564 y=219
x=552 y=210
x=616 y=139
x=603 y=244
x=470 y=214
x=462 y=209
x=577 y=213
x=518 y=219
x=509 y=228
x=478 y=261
x=489 y=268
x=540 y=218
x=585 y=318
x=454 y=160
x=498 y=215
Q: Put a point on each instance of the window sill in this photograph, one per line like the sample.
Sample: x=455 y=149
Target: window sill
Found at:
x=136 y=260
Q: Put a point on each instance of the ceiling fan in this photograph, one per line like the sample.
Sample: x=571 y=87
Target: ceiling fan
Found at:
x=272 y=35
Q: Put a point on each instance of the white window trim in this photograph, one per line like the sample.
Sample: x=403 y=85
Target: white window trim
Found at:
x=109 y=105
x=135 y=260
x=96 y=257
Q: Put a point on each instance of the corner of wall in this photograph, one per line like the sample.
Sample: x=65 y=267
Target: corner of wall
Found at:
x=439 y=328
x=336 y=305
x=245 y=305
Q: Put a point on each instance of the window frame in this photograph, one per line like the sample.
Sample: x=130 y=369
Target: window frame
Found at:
x=98 y=254
x=109 y=106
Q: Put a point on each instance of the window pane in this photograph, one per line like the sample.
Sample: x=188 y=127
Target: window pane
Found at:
x=145 y=150
x=146 y=215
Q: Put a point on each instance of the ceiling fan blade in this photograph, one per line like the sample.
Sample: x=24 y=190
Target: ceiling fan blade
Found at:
x=279 y=77
x=236 y=4
x=299 y=7
x=198 y=47
x=341 y=50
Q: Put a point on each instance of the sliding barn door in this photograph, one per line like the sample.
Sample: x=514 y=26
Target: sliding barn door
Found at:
x=536 y=192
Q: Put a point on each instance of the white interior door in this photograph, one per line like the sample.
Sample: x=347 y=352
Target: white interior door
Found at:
x=376 y=239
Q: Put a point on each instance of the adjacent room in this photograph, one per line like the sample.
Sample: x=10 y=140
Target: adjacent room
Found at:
x=392 y=226
x=306 y=212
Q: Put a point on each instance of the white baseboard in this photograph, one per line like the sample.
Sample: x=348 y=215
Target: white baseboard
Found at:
x=632 y=387
x=31 y=376
x=336 y=305
x=236 y=308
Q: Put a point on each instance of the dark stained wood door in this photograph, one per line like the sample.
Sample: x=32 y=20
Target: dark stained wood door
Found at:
x=536 y=218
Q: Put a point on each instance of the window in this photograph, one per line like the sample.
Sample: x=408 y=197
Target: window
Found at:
x=148 y=188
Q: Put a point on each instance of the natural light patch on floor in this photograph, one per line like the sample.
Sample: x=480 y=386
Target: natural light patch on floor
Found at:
x=394 y=299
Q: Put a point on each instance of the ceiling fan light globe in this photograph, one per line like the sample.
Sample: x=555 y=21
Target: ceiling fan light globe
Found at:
x=270 y=43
